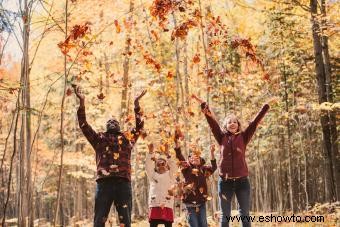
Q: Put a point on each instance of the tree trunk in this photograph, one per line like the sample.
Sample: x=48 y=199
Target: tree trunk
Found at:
x=330 y=98
x=326 y=122
x=124 y=104
x=62 y=126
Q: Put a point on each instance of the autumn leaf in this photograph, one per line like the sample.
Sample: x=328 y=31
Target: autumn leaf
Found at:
x=118 y=29
x=161 y=8
x=195 y=171
x=182 y=30
x=150 y=61
x=129 y=135
x=181 y=9
x=171 y=192
x=86 y=53
x=196 y=59
x=129 y=118
x=190 y=112
x=79 y=31
x=69 y=91
x=113 y=166
x=115 y=156
x=101 y=96
x=155 y=35
x=266 y=77
x=66 y=46
x=143 y=135
x=170 y=75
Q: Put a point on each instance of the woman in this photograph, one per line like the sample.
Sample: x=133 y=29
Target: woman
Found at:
x=233 y=170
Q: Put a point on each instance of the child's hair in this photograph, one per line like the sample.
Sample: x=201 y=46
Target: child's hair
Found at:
x=224 y=124
x=191 y=152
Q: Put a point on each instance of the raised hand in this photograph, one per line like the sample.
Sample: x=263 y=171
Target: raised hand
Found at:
x=139 y=97
x=78 y=92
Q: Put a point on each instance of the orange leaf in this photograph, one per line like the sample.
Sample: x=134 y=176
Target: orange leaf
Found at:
x=118 y=29
x=101 y=96
x=69 y=91
x=196 y=59
x=170 y=75
x=155 y=35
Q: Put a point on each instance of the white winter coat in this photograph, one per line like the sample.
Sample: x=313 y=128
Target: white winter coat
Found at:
x=160 y=183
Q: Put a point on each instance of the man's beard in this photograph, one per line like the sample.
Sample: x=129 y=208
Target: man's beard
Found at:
x=113 y=130
x=113 y=127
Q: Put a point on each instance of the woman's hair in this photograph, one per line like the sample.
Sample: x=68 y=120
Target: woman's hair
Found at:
x=225 y=121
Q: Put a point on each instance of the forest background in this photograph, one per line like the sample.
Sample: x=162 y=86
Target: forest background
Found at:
x=236 y=54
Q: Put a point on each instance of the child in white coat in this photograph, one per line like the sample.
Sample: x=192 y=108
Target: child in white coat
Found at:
x=161 y=176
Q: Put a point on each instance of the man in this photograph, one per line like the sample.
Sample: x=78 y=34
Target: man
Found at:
x=113 y=154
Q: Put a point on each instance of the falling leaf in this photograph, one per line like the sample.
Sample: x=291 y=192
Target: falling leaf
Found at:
x=118 y=29
x=151 y=61
x=171 y=192
x=129 y=118
x=266 y=77
x=69 y=91
x=161 y=8
x=101 y=96
x=143 y=135
x=104 y=172
x=155 y=35
x=129 y=135
x=196 y=59
x=170 y=75
x=181 y=9
x=195 y=171
x=115 y=156
x=113 y=166
x=182 y=30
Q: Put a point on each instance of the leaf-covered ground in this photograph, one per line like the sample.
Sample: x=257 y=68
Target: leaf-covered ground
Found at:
x=331 y=213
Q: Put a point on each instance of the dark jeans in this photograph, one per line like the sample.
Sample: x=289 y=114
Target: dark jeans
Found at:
x=155 y=223
x=197 y=216
x=226 y=190
x=117 y=191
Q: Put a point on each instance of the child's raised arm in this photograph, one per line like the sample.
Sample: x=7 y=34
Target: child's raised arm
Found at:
x=213 y=124
x=211 y=168
x=149 y=162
